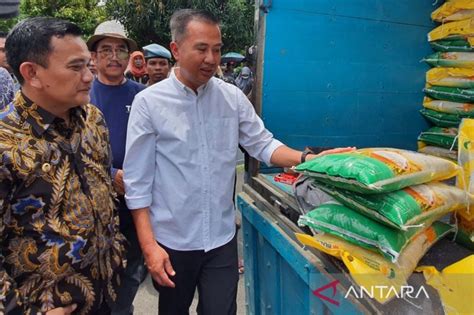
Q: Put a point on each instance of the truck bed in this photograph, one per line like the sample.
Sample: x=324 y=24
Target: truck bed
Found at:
x=274 y=202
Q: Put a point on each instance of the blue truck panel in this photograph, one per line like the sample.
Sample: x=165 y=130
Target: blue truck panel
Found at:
x=279 y=277
x=340 y=73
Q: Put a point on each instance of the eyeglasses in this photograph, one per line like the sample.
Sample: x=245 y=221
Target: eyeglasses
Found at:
x=109 y=53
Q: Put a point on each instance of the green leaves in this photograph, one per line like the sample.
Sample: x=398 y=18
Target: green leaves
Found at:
x=84 y=13
x=147 y=21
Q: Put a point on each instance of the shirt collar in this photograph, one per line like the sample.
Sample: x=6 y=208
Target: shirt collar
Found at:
x=39 y=118
x=186 y=89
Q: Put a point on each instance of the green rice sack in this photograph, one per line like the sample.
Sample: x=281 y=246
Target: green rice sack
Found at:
x=406 y=208
x=338 y=220
x=451 y=59
x=441 y=137
x=459 y=45
x=376 y=170
x=450 y=93
x=441 y=119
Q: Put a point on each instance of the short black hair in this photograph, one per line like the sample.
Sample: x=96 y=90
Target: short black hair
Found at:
x=30 y=40
x=3 y=34
x=181 y=18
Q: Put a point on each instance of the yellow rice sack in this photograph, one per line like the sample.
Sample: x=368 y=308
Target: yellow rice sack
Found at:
x=443 y=106
x=452 y=77
x=454 y=10
x=369 y=269
x=465 y=217
x=458 y=29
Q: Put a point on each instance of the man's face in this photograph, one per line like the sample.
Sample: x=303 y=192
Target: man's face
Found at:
x=158 y=69
x=3 y=57
x=198 y=53
x=111 y=58
x=66 y=81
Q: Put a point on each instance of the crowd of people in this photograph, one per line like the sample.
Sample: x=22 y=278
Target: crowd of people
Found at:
x=108 y=174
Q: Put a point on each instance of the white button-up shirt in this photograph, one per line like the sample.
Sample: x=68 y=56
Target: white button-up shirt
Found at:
x=181 y=155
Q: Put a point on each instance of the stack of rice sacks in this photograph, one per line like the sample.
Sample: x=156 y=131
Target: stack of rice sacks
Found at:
x=386 y=209
x=450 y=83
x=465 y=217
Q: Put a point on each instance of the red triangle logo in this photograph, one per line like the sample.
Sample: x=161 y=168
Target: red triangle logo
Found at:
x=332 y=285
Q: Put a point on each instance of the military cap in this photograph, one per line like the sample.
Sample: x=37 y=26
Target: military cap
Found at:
x=156 y=51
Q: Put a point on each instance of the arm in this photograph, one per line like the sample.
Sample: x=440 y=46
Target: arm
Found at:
x=157 y=260
x=117 y=177
x=285 y=156
x=139 y=172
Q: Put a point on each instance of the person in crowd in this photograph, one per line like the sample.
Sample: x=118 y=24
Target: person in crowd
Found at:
x=137 y=68
x=179 y=169
x=244 y=81
x=92 y=67
x=7 y=88
x=158 y=63
x=62 y=250
x=228 y=74
x=113 y=94
x=4 y=64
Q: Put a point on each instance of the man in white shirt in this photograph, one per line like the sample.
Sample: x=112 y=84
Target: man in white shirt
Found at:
x=179 y=168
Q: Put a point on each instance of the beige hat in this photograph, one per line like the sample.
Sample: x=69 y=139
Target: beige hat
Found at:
x=111 y=29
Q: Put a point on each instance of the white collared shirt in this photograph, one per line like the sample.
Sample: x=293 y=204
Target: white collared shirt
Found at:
x=181 y=155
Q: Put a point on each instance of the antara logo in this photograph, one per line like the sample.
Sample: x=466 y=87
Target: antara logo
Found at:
x=332 y=285
x=379 y=291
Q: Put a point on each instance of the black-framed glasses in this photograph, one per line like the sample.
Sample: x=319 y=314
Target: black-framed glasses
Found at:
x=121 y=53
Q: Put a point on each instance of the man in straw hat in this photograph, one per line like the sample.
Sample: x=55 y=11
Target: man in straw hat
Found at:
x=113 y=94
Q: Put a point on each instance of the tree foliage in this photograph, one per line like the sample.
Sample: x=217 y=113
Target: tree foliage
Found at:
x=147 y=21
x=84 y=13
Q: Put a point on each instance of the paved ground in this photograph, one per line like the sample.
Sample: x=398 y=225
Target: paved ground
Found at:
x=146 y=301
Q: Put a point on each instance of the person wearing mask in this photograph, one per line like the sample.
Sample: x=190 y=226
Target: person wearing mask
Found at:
x=244 y=81
x=158 y=63
x=113 y=94
x=62 y=250
x=137 y=68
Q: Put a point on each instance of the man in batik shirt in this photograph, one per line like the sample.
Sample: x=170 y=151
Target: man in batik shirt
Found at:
x=60 y=245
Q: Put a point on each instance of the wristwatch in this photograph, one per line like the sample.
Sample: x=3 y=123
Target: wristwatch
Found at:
x=306 y=151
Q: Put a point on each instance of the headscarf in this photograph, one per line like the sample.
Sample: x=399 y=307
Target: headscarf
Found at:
x=244 y=80
x=137 y=72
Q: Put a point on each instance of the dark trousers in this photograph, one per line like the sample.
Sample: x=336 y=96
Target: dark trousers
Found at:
x=131 y=276
x=215 y=274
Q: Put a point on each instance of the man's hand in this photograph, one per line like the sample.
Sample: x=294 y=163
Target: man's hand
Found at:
x=159 y=264
x=331 y=151
x=118 y=183
x=62 y=310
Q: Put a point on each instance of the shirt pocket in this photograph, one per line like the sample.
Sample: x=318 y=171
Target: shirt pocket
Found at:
x=222 y=133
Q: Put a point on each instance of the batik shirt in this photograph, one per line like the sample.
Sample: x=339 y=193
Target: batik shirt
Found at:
x=58 y=225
